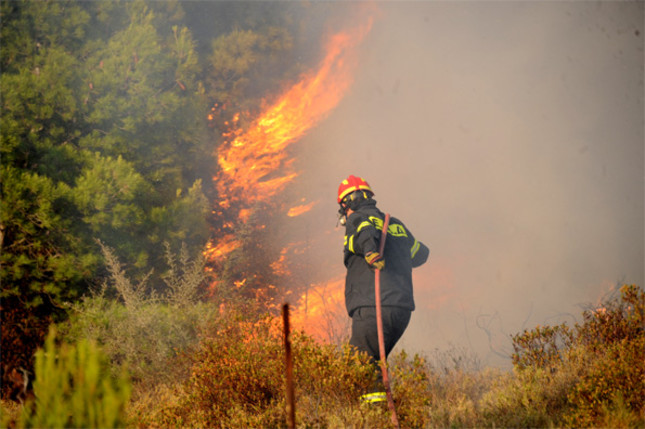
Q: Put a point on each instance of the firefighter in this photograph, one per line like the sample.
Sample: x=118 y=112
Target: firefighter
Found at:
x=363 y=226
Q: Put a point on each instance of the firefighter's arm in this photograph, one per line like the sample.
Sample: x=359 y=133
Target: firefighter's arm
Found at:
x=368 y=238
x=362 y=236
x=419 y=252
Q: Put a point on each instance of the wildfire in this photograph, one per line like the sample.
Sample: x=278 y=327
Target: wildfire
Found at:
x=255 y=162
x=255 y=165
x=321 y=311
x=224 y=246
x=301 y=209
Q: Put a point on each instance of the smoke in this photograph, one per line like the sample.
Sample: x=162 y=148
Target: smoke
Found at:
x=509 y=137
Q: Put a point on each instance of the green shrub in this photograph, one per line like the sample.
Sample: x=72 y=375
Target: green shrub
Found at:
x=141 y=328
x=74 y=388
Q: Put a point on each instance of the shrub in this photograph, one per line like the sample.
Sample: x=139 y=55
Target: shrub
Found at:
x=616 y=320
x=541 y=347
x=456 y=394
x=411 y=387
x=141 y=328
x=74 y=388
x=531 y=397
x=612 y=383
x=237 y=379
x=612 y=339
x=590 y=375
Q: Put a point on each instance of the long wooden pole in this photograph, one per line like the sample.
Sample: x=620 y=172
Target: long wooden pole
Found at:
x=379 y=325
x=291 y=402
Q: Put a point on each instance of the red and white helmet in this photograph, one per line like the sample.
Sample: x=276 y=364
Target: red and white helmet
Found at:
x=352 y=184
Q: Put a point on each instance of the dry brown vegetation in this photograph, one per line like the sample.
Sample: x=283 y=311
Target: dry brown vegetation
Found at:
x=193 y=366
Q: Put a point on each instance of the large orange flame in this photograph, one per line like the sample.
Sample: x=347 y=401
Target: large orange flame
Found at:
x=255 y=163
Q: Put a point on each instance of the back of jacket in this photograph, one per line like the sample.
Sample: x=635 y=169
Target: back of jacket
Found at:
x=402 y=253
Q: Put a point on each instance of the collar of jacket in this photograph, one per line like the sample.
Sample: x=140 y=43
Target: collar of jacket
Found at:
x=369 y=203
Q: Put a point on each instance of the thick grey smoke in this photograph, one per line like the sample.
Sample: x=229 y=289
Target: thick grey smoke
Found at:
x=509 y=137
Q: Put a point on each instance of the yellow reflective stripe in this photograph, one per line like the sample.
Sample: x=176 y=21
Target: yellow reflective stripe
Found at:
x=349 y=243
x=415 y=249
x=378 y=223
x=363 y=225
x=374 y=397
x=346 y=191
x=396 y=230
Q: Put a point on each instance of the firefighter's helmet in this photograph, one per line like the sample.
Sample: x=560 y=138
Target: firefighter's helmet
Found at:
x=351 y=185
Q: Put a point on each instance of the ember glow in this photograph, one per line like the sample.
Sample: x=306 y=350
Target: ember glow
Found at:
x=321 y=311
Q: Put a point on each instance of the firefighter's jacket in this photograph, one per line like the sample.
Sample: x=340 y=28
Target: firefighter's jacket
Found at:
x=402 y=253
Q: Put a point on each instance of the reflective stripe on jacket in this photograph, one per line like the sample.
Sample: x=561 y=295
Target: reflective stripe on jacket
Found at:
x=402 y=253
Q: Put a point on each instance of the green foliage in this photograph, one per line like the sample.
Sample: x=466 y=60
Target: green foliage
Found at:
x=75 y=110
x=106 y=192
x=242 y=62
x=41 y=86
x=102 y=137
x=141 y=328
x=74 y=388
x=36 y=257
x=146 y=122
x=40 y=265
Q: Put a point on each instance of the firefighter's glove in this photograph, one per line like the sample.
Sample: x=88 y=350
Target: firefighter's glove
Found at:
x=375 y=260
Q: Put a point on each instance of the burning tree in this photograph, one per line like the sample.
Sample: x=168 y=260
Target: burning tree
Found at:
x=255 y=166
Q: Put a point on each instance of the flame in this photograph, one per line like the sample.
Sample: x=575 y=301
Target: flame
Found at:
x=255 y=165
x=225 y=245
x=280 y=266
x=254 y=162
x=301 y=209
x=320 y=311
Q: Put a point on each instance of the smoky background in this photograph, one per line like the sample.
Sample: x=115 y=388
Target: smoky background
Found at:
x=509 y=137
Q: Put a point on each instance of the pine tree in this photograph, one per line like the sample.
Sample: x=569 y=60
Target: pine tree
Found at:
x=102 y=138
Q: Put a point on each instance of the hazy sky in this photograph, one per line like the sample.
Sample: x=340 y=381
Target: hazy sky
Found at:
x=509 y=137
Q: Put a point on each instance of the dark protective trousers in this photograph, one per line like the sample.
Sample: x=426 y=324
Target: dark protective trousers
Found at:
x=365 y=332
